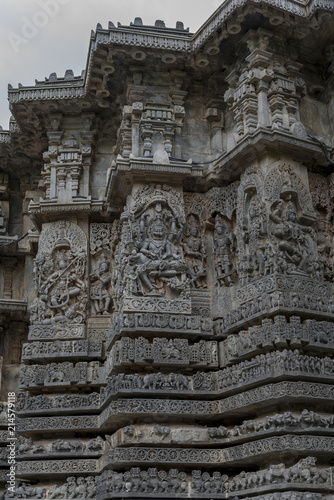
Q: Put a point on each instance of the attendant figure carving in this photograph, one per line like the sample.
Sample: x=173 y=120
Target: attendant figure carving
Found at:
x=295 y=241
x=99 y=290
x=224 y=251
x=255 y=235
x=194 y=252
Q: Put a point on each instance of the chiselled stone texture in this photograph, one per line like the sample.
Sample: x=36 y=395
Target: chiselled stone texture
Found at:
x=167 y=263
x=69 y=350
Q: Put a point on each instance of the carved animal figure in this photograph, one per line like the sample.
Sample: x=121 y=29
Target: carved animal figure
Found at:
x=153 y=381
x=77 y=446
x=178 y=381
x=57 y=491
x=61 y=445
x=95 y=444
x=80 y=490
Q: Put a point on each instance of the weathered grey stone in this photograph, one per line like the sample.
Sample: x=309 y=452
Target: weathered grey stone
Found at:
x=167 y=263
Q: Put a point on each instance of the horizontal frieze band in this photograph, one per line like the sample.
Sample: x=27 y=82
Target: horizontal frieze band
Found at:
x=52 y=332
x=263 y=368
x=280 y=423
x=41 y=404
x=282 y=392
x=31 y=425
x=156 y=483
x=27 y=449
x=278 y=332
x=64 y=349
x=241 y=454
x=161 y=352
x=56 y=467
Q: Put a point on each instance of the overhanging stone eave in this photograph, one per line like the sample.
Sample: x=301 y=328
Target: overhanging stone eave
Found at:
x=254 y=146
x=301 y=8
x=27 y=97
x=126 y=172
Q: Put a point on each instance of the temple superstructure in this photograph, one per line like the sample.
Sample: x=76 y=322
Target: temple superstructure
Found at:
x=167 y=263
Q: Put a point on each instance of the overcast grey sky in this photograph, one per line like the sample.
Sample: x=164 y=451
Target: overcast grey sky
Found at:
x=38 y=37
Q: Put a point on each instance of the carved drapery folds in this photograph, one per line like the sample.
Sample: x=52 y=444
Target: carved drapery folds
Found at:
x=60 y=274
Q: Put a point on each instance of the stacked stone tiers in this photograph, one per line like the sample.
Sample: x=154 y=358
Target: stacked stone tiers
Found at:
x=179 y=337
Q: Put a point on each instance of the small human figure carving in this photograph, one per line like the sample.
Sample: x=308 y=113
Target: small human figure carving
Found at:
x=99 y=291
x=224 y=251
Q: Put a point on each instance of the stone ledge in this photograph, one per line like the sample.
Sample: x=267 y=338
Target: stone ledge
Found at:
x=279 y=424
x=261 y=450
x=175 y=484
x=63 y=349
x=277 y=333
x=13 y=305
x=55 y=468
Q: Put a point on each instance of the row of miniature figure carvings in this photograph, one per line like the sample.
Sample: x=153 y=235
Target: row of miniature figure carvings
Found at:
x=85 y=488
x=235 y=379
x=118 y=412
x=245 y=454
x=276 y=332
x=171 y=324
x=63 y=349
x=155 y=483
x=314 y=335
x=261 y=368
x=146 y=435
x=284 y=301
x=140 y=351
x=179 y=484
x=279 y=332
x=141 y=322
x=56 y=375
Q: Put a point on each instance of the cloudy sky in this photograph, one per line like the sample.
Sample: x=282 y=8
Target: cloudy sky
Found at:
x=38 y=37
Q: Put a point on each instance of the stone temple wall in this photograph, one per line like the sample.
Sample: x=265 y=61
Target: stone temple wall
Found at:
x=167 y=264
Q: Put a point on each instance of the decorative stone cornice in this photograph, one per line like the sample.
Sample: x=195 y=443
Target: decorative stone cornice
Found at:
x=50 y=94
x=51 y=424
x=306 y=422
x=257 y=371
x=13 y=305
x=245 y=453
x=62 y=349
x=55 y=467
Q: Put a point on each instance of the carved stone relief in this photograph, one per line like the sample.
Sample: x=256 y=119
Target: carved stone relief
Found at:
x=60 y=272
x=151 y=256
x=103 y=239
